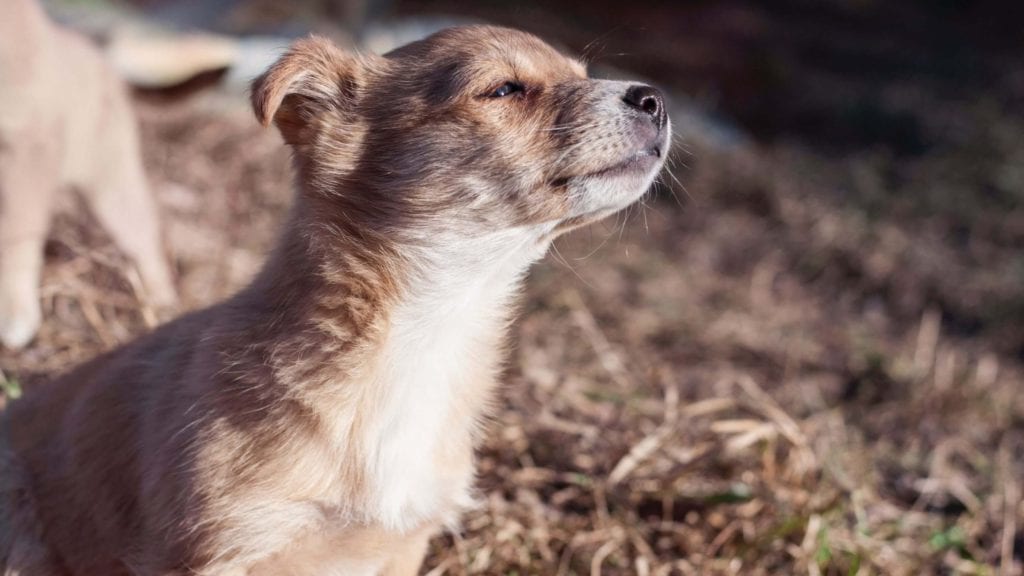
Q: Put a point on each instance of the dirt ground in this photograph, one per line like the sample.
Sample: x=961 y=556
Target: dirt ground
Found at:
x=804 y=354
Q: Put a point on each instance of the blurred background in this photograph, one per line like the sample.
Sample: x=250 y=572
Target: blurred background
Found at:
x=802 y=353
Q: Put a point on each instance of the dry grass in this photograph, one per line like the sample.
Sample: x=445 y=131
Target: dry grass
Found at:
x=758 y=382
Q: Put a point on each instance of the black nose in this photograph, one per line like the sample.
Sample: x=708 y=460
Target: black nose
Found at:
x=648 y=100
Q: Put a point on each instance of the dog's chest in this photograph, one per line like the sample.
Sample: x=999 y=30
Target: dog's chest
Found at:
x=436 y=374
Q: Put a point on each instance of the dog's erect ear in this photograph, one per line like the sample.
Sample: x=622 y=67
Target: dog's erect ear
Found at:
x=313 y=78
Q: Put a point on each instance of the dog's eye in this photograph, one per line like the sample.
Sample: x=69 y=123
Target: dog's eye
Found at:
x=507 y=89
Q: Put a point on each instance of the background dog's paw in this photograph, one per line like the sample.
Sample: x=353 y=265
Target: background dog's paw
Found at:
x=159 y=290
x=161 y=294
x=19 y=322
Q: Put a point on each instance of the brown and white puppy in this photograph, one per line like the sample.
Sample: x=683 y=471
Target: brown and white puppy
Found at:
x=323 y=420
x=65 y=121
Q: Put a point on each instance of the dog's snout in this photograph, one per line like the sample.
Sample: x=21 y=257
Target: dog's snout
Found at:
x=648 y=100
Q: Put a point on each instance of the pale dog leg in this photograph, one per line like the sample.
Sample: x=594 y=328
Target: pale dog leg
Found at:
x=20 y=267
x=27 y=183
x=408 y=560
x=120 y=197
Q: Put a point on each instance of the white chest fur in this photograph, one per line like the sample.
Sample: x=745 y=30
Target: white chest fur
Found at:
x=434 y=378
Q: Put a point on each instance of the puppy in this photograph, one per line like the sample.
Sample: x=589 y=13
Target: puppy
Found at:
x=64 y=121
x=323 y=420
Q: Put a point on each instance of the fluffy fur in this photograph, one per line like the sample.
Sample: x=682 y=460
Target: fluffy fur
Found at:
x=323 y=420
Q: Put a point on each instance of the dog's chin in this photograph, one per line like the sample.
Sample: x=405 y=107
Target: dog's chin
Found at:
x=606 y=191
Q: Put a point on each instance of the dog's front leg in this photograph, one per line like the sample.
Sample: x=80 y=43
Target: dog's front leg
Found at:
x=121 y=199
x=28 y=179
x=409 y=556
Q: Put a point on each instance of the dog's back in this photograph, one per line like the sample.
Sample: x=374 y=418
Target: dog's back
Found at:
x=22 y=548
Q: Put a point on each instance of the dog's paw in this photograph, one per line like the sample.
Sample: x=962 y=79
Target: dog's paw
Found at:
x=159 y=289
x=19 y=322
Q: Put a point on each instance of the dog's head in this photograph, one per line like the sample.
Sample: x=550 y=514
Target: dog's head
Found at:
x=472 y=129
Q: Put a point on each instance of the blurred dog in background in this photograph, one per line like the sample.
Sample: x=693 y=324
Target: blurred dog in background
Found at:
x=65 y=122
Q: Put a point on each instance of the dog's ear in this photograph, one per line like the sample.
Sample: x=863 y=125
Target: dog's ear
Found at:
x=312 y=79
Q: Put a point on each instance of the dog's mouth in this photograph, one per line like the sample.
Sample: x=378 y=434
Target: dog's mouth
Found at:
x=641 y=161
x=638 y=162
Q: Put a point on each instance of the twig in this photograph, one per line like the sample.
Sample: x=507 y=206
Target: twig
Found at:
x=610 y=360
x=646 y=447
x=603 y=552
x=786 y=424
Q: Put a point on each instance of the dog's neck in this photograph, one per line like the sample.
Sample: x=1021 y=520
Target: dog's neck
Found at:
x=394 y=347
x=346 y=276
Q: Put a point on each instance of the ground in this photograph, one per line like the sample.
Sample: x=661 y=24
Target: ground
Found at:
x=802 y=353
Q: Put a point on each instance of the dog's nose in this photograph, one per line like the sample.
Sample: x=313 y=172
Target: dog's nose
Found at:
x=648 y=100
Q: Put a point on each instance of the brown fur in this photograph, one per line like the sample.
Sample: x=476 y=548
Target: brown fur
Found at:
x=234 y=440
